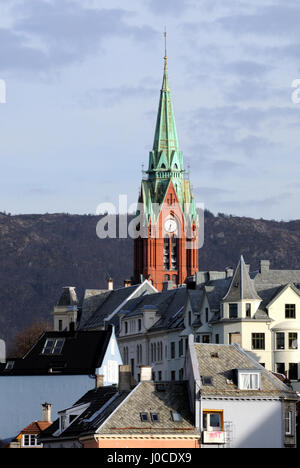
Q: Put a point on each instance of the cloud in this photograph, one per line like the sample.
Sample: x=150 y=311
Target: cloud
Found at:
x=56 y=33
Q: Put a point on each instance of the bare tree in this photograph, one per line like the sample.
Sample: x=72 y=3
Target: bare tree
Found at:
x=26 y=338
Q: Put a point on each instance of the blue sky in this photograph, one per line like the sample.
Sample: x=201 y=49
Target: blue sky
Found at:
x=83 y=80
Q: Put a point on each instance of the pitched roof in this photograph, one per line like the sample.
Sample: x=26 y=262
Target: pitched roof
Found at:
x=168 y=305
x=242 y=286
x=113 y=412
x=89 y=419
x=81 y=354
x=146 y=398
x=220 y=362
x=97 y=307
x=36 y=427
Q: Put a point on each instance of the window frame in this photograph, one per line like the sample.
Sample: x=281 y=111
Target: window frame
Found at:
x=257 y=338
x=53 y=351
x=290 y=311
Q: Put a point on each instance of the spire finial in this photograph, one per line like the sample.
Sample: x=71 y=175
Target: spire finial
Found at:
x=165 y=36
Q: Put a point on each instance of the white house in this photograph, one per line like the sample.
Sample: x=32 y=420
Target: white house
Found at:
x=237 y=402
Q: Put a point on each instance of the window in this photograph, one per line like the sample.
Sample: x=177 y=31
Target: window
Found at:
x=290 y=311
x=190 y=319
x=280 y=368
x=249 y=380
x=126 y=327
x=206 y=339
x=206 y=314
x=173 y=375
x=293 y=371
x=176 y=416
x=181 y=348
x=9 y=365
x=144 y=417
x=139 y=324
x=288 y=423
x=181 y=374
x=233 y=311
x=155 y=417
x=159 y=375
x=293 y=340
x=248 y=310
x=258 y=341
x=207 y=381
x=125 y=355
x=280 y=341
x=217 y=339
x=53 y=346
x=30 y=440
x=173 y=352
x=60 y=325
x=213 y=421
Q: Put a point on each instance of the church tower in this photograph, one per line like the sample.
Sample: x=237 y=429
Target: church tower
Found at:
x=167 y=249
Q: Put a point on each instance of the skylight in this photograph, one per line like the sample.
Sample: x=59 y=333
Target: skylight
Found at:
x=176 y=416
x=53 y=346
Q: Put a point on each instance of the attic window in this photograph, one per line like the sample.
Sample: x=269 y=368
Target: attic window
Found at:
x=10 y=365
x=155 y=417
x=207 y=381
x=144 y=417
x=53 y=346
x=249 y=380
x=176 y=416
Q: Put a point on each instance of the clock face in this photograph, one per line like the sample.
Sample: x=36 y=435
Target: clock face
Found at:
x=170 y=225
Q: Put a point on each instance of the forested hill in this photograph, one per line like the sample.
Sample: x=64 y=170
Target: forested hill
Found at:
x=39 y=254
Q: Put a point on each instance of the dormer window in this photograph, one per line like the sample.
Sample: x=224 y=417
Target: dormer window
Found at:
x=249 y=380
x=10 y=365
x=53 y=346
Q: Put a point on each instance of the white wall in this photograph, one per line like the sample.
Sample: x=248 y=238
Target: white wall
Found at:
x=252 y=424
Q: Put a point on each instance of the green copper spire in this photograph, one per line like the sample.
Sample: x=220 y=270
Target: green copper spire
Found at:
x=165 y=134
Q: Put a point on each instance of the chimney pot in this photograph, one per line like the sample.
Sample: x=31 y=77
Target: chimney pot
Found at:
x=110 y=284
x=127 y=283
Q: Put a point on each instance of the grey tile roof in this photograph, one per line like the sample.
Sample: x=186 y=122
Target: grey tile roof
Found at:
x=98 y=307
x=112 y=412
x=222 y=371
x=146 y=399
x=242 y=286
x=169 y=306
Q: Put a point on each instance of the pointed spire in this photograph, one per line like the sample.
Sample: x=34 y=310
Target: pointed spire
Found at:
x=242 y=286
x=166 y=133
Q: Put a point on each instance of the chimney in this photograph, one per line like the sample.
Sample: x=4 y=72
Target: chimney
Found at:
x=46 y=412
x=264 y=266
x=125 y=378
x=146 y=373
x=229 y=272
x=99 y=381
x=110 y=284
x=127 y=283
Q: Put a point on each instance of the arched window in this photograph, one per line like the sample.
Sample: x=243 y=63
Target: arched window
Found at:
x=175 y=166
x=163 y=166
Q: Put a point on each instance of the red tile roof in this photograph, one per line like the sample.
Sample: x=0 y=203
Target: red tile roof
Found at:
x=36 y=427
